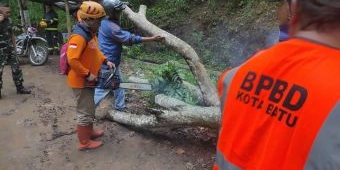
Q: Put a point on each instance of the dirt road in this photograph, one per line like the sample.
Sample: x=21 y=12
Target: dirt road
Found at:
x=37 y=132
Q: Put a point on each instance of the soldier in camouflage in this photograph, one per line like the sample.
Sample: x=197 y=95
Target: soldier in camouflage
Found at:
x=7 y=50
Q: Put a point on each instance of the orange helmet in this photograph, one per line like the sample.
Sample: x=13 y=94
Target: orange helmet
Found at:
x=91 y=9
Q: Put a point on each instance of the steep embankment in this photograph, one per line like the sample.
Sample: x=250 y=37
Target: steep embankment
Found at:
x=223 y=34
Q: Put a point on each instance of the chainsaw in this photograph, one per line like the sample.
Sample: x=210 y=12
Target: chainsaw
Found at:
x=108 y=79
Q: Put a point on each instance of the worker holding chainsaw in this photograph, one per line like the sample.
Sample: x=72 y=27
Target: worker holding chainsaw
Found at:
x=85 y=60
x=111 y=38
x=281 y=109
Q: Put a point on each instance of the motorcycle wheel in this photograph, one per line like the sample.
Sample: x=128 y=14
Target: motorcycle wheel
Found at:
x=40 y=56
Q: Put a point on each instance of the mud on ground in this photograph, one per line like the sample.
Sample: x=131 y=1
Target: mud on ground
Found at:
x=37 y=132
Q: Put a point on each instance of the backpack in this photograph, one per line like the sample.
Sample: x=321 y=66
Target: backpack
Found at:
x=64 y=67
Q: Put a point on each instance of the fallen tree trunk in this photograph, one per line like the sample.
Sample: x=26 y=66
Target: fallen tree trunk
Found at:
x=197 y=68
x=178 y=114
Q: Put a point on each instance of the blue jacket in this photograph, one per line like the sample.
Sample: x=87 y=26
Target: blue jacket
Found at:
x=111 y=38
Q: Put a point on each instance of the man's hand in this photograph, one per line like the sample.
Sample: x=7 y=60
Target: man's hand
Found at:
x=154 y=38
x=91 y=78
x=110 y=64
x=158 y=38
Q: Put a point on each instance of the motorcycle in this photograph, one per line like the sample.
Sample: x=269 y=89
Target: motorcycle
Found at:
x=31 y=46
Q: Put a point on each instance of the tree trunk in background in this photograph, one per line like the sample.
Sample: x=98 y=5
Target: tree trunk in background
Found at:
x=21 y=11
x=26 y=14
x=188 y=53
x=68 y=19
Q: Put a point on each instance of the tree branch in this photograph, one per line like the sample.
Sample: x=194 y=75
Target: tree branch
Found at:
x=187 y=52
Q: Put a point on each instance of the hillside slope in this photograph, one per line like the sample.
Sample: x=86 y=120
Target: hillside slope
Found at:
x=222 y=33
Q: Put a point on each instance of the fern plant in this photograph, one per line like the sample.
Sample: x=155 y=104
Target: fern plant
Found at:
x=167 y=79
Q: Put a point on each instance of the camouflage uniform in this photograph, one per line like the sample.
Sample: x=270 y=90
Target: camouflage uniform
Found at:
x=8 y=54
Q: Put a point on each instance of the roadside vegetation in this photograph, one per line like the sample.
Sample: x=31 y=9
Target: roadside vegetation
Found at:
x=223 y=33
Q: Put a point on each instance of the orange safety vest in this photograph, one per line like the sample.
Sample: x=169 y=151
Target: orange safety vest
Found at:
x=281 y=110
x=83 y=61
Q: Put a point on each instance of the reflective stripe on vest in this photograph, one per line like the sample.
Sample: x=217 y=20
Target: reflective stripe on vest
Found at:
x=51 y=29
x=325 y=153
x=226 y=81
x=224 y=164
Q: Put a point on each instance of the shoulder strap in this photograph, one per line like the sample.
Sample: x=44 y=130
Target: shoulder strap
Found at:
x=80 y=30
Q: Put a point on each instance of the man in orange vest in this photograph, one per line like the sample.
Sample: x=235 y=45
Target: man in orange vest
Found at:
x=281 y=108
x=85 y=60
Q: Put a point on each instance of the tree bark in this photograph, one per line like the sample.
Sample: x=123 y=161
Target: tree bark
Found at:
x=26 y=14
x=197 y=68
x=21 y=11
x=178 y=114
x=68 y=19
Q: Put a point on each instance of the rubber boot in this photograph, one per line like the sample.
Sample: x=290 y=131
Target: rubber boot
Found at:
x=96 y=133
x=84 y=138
x=23 y=90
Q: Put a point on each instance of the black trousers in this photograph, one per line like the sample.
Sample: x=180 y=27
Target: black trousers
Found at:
x=52 y=40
